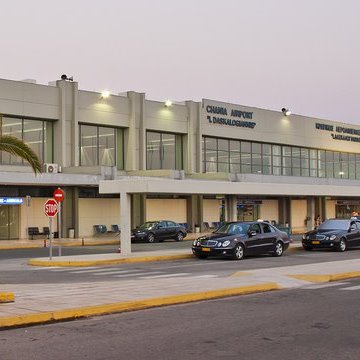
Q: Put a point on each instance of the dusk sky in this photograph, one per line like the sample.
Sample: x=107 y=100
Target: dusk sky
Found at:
x=304 y=55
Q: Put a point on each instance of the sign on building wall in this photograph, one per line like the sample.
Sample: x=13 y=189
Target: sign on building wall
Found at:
x=227 y=115
x=11 y=201
x=344 y=133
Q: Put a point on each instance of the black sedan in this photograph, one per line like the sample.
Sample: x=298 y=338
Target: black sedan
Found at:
x=338 y=234
x=152 y=231
x=237 y=239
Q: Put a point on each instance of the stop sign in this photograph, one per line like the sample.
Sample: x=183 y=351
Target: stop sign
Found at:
x=51 y=208
x=59 y=195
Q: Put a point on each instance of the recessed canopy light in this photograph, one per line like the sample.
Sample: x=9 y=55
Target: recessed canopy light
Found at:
x=105 y=94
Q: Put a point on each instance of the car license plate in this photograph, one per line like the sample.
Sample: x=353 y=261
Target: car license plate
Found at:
x=206 y=249
x=315 y=242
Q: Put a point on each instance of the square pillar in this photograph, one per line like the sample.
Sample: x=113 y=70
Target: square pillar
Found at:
x=125 y=221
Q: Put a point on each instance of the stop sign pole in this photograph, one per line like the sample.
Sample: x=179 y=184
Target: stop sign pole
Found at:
x=51 y=208
x=59 y=196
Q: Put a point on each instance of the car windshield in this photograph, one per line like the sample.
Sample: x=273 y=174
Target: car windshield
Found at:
x=233 y=228
x=334 y=225
x=147 y=225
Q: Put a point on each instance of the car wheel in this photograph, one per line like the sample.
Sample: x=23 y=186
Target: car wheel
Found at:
x=341 y=247
x=239 y=252
x=307 y=248
x=201 y=256
x=179 y=236
x=151 y=238
x=279 y=249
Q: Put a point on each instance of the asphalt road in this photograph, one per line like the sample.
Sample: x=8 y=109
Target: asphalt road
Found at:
x=314 y=322
x=16 y=270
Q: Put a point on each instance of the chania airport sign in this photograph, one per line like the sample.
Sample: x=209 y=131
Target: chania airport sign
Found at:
x=225 y=114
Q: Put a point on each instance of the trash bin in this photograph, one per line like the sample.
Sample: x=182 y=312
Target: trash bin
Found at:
x=71 y=233
x=197 y=229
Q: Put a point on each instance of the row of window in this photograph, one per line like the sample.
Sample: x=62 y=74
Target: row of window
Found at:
x=235 y=156
x=105 y=146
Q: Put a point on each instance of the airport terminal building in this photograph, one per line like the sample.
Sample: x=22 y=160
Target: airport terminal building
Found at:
x=123 y=159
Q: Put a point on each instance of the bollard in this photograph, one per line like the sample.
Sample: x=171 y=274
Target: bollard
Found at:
x=82 y=242
x=44 y=243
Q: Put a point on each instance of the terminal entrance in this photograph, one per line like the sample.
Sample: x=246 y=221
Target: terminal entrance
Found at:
x=9 y=222
x=344 y=210
x=247 y=212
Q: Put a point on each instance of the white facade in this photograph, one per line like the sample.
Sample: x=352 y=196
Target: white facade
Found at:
x=198 y=147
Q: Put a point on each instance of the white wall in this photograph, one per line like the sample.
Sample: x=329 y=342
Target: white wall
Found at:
x=97 y=212
x=211 y=210
x=269 y=210
x=166 y=209
x=298 y=215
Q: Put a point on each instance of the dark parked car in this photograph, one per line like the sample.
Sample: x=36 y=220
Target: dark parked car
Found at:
x=152 y=231
x=338 y=234
x=237 y=239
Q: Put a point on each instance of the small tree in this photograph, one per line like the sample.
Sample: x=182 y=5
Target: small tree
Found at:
x=16 y=147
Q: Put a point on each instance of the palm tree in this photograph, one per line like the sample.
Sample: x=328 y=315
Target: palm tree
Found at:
x=16 y=147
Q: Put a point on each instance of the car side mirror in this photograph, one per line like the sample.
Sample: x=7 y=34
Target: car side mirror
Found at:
x=252 y=233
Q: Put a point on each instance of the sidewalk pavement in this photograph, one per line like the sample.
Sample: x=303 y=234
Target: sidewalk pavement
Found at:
x=40 y=303
x=106 y=239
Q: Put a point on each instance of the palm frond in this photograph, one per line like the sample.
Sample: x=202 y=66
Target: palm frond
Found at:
x=16 y=147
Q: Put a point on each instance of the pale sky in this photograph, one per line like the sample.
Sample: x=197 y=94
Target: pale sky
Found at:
x=304 y=55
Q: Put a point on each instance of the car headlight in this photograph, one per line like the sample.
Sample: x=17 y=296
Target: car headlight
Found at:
x=195 y=242
x=304 y=237
x=332 y=237
x=226 y=243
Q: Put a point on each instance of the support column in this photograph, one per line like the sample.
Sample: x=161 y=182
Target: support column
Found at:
x=310 y=215
x=230 y=208
x=138 y=210
x=195 y=211
x=125 y=221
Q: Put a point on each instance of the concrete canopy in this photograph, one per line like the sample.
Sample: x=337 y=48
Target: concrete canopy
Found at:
x=245 y=185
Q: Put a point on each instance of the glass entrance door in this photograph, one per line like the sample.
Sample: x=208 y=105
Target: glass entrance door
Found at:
x=247 y=212
x=9 y=222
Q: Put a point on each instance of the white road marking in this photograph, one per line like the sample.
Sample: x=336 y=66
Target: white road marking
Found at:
x=204 y=276
x=71 y=268
x=136 y=274
x=164 y=276
x=357 y=287
x=322 y=286
x=101 y=271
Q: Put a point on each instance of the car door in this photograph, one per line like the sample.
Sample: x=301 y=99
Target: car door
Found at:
x=171 y=229
x=161 y=230
x=358 y=237
x=254 y=243
x=269 y=237
x=353 y=234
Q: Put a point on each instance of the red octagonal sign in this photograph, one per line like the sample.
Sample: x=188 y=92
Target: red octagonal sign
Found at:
x=51 y=208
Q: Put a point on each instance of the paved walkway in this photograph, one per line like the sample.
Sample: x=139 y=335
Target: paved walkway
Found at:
x=36 y=303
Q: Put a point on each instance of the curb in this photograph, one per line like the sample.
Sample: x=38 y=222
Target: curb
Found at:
x=317 y=278
x=69 y=263
x=85 y=263
x=7 y=297
x=76 y=313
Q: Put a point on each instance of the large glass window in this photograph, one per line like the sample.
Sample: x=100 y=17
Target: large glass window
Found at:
x=237 y=156
x=164 y=151
x=37 y=134
x=98 y=146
